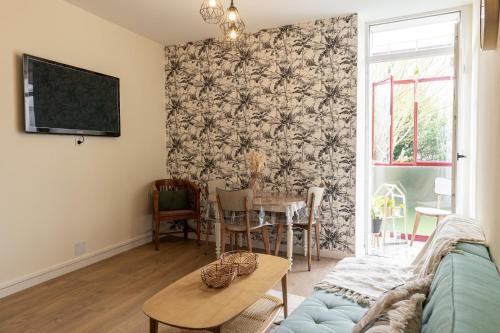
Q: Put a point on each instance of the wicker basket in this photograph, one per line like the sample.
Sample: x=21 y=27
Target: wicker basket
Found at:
x=218 y=275
x=244 y=262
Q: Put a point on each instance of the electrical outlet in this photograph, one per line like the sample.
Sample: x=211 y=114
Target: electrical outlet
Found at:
x=80 y=248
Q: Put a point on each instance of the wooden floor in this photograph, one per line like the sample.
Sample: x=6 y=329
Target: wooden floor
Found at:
x=107 y=296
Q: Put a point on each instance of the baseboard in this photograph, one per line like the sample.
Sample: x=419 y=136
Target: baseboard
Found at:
x=50 y=273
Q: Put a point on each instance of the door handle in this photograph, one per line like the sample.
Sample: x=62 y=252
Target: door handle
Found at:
x=459 y=156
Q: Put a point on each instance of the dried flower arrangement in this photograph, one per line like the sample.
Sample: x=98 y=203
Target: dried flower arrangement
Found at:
x=256 y=161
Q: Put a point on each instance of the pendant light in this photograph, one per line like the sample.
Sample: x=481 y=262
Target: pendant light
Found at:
x=232 y=25
x=212 y=11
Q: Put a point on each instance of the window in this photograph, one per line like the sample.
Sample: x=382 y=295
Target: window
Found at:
x=412 y=87
x=412 y=121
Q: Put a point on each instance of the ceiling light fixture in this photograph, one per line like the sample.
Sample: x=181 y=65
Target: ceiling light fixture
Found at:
x=212 y=11
x=232 y=25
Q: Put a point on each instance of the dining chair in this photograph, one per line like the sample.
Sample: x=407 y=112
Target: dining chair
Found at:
x=209 y=215
x=237 y=217
x=175 y=200
x=442 y=187
x=305 y=220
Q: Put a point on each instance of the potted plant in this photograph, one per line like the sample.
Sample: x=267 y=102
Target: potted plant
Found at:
x=376 y=221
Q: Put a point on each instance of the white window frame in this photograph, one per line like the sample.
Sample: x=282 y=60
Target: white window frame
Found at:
x=465 y=134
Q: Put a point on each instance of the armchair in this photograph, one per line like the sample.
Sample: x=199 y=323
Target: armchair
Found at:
x=175 y=210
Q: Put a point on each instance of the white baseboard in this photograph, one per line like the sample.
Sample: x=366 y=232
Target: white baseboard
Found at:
x=52 y=272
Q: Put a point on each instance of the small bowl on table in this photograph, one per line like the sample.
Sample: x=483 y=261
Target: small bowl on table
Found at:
x=218 y=275
x=244 y=262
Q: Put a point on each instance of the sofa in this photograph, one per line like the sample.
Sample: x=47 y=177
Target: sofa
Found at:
x=464 y=297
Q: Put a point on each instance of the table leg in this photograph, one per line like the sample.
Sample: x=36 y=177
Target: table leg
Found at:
x=284 y=291
x=289 y=243
x=217 y=238
x=153 y=326
x=216 y=329
x=304 y=242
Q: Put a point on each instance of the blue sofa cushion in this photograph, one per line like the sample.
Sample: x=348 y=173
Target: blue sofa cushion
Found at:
x=477 y=249
x=465 y=295
x=323 y=313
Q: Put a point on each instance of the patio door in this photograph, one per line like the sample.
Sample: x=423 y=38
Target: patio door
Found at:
x=413 y=80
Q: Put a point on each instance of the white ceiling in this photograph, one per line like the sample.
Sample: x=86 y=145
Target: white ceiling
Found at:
x=174 y=21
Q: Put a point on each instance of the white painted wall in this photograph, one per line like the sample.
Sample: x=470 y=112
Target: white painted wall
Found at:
x=52 y=193
x=488 y=141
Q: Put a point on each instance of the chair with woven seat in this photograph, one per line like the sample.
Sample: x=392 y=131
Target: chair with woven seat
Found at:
x=237 y=218
x=175 y=200
x=442 y=187
x=305 y=220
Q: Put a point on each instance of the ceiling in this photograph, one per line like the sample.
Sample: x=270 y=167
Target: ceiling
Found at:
x=174 y=21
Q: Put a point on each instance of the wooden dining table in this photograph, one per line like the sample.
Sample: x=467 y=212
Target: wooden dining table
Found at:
x=273 y=203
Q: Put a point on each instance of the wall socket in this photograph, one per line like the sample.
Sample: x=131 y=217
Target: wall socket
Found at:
x=80 y=248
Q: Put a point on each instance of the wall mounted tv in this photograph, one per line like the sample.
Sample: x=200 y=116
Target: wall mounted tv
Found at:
x=62 y=99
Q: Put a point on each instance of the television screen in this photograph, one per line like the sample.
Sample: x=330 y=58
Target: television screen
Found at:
x=63 y=99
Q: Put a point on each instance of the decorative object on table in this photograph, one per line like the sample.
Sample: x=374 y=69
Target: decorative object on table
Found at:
x=306 y=222
x=236 y=218
x=175 y=200
x=389 y=204
x=256 y=162
x=212 y=11
x=244 y=262
x=218 y=275
x=489 y=24
x=442 y=187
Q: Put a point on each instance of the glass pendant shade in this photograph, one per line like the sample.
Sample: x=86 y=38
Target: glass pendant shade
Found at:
x=232 y=25
x=212 y=11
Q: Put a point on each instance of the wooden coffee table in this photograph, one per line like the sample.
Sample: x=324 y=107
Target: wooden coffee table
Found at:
x=189 y=304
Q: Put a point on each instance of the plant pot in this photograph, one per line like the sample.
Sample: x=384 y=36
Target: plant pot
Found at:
x=376 y=225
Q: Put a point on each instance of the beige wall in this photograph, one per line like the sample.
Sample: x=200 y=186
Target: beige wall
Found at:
x=488 y=145
x=52 y=193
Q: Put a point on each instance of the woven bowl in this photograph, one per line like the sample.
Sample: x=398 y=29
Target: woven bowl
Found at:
x=244 y=262
x=218 y=275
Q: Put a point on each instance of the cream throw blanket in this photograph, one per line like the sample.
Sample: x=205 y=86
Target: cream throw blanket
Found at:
x=365 y=279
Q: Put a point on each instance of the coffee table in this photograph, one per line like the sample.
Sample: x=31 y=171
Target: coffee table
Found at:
x=189 y=304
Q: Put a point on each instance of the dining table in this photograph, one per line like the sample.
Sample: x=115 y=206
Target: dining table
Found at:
x=273 y=203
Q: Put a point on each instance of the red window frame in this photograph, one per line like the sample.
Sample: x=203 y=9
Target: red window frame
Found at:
x=393 y=83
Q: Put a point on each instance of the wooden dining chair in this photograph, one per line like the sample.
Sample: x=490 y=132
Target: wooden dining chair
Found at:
x=209 y=215
x=442 y=187
x=305 y=220
x=175 y=200
x=237 y=218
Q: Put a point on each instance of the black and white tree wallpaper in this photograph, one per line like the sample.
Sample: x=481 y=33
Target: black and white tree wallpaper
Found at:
x=288 y=92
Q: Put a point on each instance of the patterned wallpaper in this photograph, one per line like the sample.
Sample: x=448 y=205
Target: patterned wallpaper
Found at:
x=290 y=93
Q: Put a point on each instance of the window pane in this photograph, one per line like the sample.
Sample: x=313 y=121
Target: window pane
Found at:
x=425 y=33
x=403 y=133
x=382 y=120
x=435 y=119
x=413 y=68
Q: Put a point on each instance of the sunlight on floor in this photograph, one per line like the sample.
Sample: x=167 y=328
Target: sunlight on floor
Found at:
x=400 y=253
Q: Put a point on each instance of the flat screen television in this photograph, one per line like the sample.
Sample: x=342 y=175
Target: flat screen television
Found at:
x=62 y=99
